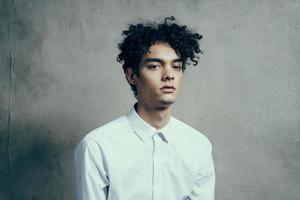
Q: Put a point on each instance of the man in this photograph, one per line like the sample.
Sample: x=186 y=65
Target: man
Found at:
x=148 y=154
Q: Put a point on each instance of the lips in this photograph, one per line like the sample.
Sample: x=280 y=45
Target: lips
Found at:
x=168 y=89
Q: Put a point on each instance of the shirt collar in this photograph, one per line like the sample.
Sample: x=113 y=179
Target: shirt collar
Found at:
x=144 y=130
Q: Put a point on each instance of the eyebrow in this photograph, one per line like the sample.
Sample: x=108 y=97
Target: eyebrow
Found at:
x=160 y=60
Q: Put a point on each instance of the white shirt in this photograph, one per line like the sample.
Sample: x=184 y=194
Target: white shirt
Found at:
x=127 y=159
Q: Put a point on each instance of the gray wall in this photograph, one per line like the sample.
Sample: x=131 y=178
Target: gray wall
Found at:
x=59 y=79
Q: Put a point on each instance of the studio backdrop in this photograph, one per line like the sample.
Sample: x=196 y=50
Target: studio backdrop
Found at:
x=59 y=79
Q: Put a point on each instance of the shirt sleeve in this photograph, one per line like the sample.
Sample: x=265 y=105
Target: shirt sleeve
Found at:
x=91 y=173
x=204 y=188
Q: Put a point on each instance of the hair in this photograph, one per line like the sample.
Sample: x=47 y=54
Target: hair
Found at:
x=139 y=37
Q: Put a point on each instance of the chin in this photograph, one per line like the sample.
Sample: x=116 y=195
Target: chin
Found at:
x=167 y=102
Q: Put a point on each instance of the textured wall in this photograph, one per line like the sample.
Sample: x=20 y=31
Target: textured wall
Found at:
x=59 y=79
x=4 y=99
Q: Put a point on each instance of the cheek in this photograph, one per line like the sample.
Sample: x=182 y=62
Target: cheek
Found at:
x=179 y=80
x=147 y=86
x=151 y=82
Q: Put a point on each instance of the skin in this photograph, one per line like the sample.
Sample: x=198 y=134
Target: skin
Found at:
x=158 y=83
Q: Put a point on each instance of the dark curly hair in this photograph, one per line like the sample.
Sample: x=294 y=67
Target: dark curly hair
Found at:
x=139 y=37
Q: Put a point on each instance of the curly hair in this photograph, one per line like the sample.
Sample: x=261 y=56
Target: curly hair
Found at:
x=139 y=37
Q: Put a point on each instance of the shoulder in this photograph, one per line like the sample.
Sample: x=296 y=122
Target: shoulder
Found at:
x=194 y=136
x=107 y=131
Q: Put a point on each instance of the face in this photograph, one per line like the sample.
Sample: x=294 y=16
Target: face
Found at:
x=160 y=77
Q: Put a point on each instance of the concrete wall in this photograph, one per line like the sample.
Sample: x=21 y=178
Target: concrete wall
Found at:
x=59 y=79
x=4 y=99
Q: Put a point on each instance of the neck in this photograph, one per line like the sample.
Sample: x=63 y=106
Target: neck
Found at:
x=156 y=117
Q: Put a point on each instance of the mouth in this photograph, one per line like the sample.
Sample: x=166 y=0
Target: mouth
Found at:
x=168 y=89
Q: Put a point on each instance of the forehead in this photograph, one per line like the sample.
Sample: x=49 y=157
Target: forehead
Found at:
x=162 y=51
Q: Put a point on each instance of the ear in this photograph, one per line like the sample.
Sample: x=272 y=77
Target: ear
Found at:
x=131 y=77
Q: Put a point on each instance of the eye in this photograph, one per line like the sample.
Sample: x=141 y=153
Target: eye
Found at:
x=177 y=67
x=153 y=66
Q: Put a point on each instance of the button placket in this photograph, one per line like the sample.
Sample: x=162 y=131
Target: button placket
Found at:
x=157 y=168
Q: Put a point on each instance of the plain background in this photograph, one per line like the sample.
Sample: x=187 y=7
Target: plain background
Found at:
x=59 y=79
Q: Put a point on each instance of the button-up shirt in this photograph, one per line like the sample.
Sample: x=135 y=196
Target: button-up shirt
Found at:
x=128 y=159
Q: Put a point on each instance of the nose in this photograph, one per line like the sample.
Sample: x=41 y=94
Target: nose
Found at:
x=168 y=74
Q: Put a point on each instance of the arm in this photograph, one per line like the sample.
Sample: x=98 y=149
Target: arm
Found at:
x=91 y=175
x=204 y=187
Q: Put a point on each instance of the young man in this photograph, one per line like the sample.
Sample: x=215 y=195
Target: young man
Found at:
x=148 y=154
